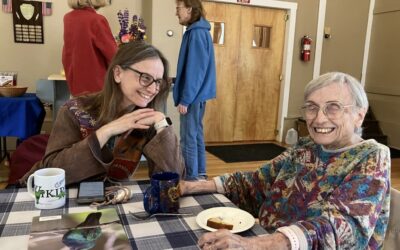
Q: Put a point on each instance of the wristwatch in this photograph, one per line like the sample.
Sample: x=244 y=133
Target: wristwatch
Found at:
x=163 y=123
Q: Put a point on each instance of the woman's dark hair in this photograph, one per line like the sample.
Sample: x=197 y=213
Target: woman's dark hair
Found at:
x=197 y=9
x=106 y=105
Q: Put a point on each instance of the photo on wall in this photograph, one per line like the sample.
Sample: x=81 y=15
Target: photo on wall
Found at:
x=28 y=21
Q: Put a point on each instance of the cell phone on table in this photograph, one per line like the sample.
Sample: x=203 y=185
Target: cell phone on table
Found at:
x=90 y=191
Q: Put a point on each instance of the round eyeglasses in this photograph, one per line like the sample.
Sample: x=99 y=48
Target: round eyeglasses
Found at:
x=179 y=7
x=332 y=110
x=146 y=80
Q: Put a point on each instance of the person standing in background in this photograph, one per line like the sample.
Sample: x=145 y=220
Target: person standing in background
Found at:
x=88 y=47
x=195 y=84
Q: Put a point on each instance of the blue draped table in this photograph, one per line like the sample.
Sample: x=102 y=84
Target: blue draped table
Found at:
x=20 y=117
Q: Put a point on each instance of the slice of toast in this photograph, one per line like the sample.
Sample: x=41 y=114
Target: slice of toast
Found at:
x=218 y=223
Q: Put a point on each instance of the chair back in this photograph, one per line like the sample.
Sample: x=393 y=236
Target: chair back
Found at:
x=392 y=238
x=26 y=155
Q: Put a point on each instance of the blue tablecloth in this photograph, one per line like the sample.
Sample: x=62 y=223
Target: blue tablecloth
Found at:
x=21 y=116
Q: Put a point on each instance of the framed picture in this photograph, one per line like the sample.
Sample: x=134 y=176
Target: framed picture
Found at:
x=28 y=21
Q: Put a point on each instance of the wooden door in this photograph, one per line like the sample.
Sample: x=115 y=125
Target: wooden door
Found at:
x=219 y=117
x=248 y=76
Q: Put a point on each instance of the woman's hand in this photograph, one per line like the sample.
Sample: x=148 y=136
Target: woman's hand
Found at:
x=193 y=187
x=182 y=109
x=138 y=119
x=224 y=239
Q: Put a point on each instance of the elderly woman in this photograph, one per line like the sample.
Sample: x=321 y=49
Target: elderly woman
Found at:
x=329 y=191
x=106 y=133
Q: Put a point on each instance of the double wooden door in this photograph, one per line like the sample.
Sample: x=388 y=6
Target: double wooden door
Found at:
x=249 y=65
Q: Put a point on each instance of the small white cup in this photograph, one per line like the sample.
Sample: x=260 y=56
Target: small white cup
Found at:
x=49 y=188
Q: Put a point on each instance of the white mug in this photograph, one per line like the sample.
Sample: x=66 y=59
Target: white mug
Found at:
x=49 y=188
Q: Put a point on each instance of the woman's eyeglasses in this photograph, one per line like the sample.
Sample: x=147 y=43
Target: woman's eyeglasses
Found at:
x=146 y=80
x=332 y=110
x=179 y=7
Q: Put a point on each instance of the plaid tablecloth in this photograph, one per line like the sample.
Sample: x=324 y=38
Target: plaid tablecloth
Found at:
x=17 y=209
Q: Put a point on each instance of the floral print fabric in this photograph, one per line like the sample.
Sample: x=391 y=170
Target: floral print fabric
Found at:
x=340 y=199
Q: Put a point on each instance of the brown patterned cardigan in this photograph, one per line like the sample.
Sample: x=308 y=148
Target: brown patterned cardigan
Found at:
x=74 y=146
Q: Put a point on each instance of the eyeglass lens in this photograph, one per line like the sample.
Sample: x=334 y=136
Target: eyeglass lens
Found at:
x=332 y=110
x=146 y=80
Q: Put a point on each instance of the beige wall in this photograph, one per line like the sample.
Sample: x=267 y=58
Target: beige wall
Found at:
x=302 y=72
x=382 y=80
x=344 y=51
x=33 y=61
x=163 y=18
x=38 y=61
x=161 y=14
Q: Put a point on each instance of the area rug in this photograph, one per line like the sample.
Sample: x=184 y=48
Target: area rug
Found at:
x=246 y=152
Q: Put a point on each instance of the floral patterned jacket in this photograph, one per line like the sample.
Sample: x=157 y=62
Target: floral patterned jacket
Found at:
x=338 y=199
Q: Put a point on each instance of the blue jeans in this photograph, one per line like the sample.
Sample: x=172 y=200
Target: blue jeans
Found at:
x=192 y=140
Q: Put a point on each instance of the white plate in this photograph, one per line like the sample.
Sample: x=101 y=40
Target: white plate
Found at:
x=241 y=220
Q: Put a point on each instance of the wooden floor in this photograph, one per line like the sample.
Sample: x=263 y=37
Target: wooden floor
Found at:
x=216 y=167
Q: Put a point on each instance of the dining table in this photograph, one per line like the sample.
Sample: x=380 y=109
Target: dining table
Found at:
x=170 y=232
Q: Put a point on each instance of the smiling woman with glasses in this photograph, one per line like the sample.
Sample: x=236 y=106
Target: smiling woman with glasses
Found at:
x=105 y=134
x=331 y=190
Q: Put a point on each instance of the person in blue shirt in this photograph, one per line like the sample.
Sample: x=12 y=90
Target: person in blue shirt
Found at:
x=195 y=83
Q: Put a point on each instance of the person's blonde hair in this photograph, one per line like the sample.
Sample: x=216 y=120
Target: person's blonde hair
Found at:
x=78 y=4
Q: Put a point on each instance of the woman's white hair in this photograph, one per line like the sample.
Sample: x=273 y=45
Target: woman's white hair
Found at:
x=357 y=91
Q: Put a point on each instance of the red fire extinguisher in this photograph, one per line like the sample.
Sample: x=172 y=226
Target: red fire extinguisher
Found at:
x=306 y=48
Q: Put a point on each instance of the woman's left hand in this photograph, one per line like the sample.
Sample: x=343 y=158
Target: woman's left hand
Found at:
x=149 y=120
x=224 y=239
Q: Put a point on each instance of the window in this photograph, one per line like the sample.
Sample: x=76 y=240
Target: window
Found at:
x=261 y=37
x=218 y=32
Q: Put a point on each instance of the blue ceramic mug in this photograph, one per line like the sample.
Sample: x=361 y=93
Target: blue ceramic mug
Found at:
x=162 y=196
